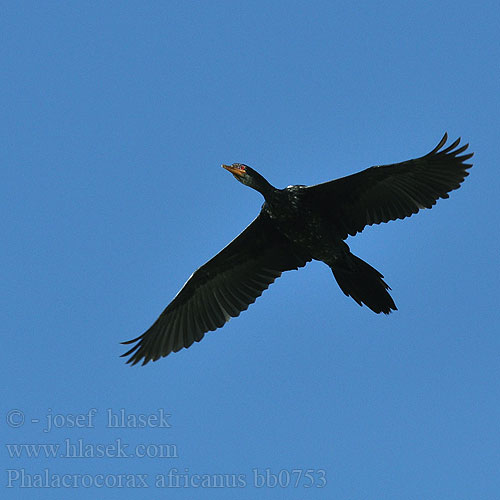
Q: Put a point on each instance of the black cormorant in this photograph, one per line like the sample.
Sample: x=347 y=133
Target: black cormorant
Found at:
x=295 y=225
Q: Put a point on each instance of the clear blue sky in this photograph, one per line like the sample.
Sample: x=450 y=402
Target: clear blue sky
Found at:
x=115 y=119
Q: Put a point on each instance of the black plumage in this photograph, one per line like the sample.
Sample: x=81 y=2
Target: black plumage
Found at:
x=295 y=225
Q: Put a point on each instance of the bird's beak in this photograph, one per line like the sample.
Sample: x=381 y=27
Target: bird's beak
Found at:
x=233 y=170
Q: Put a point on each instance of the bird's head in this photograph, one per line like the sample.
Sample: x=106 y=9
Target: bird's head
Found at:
x=242 y=173
x=248 y=176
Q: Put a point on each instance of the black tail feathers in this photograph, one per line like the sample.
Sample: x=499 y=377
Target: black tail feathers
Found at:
x=363 y=283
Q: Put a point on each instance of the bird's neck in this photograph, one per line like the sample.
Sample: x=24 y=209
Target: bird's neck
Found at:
x=267 y=190
x=263 y=187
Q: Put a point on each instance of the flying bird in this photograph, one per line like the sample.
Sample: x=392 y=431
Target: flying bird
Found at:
x=296 y=225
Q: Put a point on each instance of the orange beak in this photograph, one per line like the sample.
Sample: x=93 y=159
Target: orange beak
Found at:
x=234 y=170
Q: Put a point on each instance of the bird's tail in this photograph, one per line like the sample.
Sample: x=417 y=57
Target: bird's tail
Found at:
x=363 y=283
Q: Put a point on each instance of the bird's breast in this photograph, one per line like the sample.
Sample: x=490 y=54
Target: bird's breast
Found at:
x=307 y=229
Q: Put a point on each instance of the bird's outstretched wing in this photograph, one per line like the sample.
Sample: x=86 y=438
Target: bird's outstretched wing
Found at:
x=220 y=289
x=389 y=192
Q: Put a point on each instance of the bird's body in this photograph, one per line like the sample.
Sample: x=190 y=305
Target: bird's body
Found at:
x=298 y=224
x=297 y=219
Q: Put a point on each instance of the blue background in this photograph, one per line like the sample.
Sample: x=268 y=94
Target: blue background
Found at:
x=115 y=119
